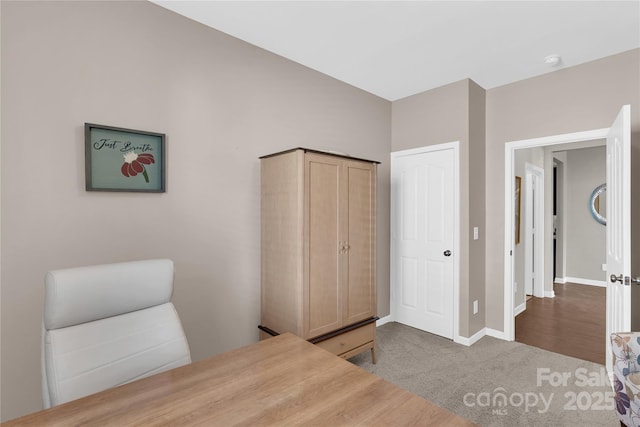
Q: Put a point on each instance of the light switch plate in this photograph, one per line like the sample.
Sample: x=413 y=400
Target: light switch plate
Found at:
x=475 y=233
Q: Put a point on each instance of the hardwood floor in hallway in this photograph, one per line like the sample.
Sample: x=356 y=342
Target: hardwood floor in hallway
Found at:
x=572 y=323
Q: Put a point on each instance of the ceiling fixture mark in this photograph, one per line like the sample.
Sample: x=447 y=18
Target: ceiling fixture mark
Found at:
x=553 y=60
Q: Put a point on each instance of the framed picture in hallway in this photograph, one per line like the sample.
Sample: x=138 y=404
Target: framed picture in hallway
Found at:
x=516 y=209
x=118 y=159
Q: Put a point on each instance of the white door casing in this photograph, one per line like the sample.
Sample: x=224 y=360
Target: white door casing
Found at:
x=618 y=227
x=621 y=316
x=424 y=226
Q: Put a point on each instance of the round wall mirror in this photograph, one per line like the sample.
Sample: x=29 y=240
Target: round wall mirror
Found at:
x=598 y=204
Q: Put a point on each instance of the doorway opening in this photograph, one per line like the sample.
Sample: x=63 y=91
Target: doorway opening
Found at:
x=618 y=243
x=578 y=291
x=543 y=157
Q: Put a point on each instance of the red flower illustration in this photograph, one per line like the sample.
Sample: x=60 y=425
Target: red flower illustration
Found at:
x=134 y=164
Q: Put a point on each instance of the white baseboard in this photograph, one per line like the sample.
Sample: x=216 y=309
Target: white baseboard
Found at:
x=560 y=280
x=481 y=333
x=460 y=340
x=549 y=294
x=472 y=339
x=519 y=309
x=383 y=320
x=496 y=334
x=589 y=282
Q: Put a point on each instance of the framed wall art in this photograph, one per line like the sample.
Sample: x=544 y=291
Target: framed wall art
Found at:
x=118 y=159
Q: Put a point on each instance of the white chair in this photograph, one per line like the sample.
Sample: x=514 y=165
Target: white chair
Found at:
x=107 y=325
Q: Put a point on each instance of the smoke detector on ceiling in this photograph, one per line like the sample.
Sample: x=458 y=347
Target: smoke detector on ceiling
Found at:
x=553 y=60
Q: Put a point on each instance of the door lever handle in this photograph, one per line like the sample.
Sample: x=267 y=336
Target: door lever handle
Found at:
x=615 y=278
x=626 y=280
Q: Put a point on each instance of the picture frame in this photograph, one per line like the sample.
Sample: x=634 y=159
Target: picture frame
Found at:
x=516 y=209
x=119 y=159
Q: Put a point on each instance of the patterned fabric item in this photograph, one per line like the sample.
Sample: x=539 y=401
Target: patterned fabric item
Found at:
x=626 y=379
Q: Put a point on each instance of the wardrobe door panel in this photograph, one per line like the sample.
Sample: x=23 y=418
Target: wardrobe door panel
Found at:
x=359 y=283
x=322 y=286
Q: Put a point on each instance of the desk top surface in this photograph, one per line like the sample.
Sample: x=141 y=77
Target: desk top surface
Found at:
x=282 y=380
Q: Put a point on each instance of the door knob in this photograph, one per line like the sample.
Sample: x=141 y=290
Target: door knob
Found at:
x=615 y=278
x=626 y=280
x=447 y=253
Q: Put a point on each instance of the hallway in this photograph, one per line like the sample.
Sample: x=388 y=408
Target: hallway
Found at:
x=572 y=323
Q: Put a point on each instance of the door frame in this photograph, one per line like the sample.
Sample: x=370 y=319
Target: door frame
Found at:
x=534 y=255
x=509 y=188
x=394 y=291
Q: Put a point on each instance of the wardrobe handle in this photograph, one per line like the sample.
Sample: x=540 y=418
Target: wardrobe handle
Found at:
x=343 y=247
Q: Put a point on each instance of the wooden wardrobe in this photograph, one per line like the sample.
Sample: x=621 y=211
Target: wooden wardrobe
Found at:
x=318 y=219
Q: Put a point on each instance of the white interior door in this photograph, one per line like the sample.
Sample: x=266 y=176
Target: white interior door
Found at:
x=422 y=240
x=618 y=226
x=534 y=231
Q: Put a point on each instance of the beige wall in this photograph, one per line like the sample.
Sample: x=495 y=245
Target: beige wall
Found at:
x=586 y=238
x=477 y=197
x=221 y=102
x=434 y=117
x=574 y=99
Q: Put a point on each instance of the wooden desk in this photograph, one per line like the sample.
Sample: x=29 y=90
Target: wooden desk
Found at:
x=280 y=381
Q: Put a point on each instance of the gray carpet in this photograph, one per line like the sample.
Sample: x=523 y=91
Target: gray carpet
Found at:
x=470 y=381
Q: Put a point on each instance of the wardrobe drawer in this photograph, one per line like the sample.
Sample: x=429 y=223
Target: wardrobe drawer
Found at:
x=349 y=340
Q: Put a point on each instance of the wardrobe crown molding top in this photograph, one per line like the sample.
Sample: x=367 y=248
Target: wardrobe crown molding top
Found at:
x=328 y=153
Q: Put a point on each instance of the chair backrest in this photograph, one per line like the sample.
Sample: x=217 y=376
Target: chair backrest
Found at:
x=625 y=349
x=107 y=325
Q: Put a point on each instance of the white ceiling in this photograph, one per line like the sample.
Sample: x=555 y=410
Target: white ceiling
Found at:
x=394 y=49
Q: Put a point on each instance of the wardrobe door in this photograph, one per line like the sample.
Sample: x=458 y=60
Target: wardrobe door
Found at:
x=359 y=260
x=322 y=311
